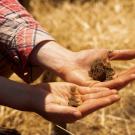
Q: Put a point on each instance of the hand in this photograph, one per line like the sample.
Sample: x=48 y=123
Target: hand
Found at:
x=51 y=101
x=74 y=66
x=78 y=71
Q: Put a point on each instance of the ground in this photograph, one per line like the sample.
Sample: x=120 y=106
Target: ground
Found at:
x=76 y=26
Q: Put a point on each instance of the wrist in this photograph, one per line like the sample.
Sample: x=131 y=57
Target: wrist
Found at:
x=37 y=96
x=52 y=56
x=15 y=95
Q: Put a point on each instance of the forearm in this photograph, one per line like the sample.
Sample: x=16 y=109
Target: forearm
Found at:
x=15 y=95
x=52 y=56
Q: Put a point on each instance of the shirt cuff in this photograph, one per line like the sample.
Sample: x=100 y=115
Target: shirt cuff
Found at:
x=25 y=40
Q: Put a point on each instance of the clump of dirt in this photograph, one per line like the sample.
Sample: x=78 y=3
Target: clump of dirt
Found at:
x=101 y=70
x=75 y=99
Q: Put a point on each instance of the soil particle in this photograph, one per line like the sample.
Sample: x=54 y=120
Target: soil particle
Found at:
x=75 y=99
x=101 y=70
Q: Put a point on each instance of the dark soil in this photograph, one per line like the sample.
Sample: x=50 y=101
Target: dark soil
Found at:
x=101 y=70
x=75 y=99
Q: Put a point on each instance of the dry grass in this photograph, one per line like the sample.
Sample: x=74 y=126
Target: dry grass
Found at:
x=93 y=24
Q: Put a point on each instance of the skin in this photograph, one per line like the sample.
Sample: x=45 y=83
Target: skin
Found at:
x=54 y=99
x=74 y=66
x=50 y=100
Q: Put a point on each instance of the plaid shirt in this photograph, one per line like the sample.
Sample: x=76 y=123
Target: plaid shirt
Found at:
x=19 y=34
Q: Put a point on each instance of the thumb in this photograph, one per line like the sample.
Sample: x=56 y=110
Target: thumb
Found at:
x=59 y=113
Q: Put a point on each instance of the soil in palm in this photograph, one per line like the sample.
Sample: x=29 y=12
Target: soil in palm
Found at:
x=101 y=70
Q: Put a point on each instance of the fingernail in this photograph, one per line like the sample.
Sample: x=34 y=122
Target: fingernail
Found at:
x=114 y=91
x=77 y=114
x=133 y=75
x=116 y=97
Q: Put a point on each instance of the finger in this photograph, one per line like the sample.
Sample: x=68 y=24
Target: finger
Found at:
x=122 y=54
x=99 y=95
x=58 y=113
x=89 y=90
x=127 y=72
x=96 y=104
x=117 y=83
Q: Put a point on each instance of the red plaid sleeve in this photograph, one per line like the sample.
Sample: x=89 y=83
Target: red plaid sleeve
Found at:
x=19 y=33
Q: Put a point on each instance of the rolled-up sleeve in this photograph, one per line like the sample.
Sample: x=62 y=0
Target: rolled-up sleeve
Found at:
x=19 y=34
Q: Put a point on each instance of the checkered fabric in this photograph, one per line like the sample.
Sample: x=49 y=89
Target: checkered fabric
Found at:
x=19 y=34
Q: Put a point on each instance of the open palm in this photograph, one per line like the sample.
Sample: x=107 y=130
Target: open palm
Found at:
x=54 y=101
x=78 y=72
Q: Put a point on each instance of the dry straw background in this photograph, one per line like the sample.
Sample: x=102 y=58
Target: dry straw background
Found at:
x=77 y=25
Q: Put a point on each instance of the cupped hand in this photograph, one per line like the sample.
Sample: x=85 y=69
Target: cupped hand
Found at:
x=78 y=70
x=52 y=101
